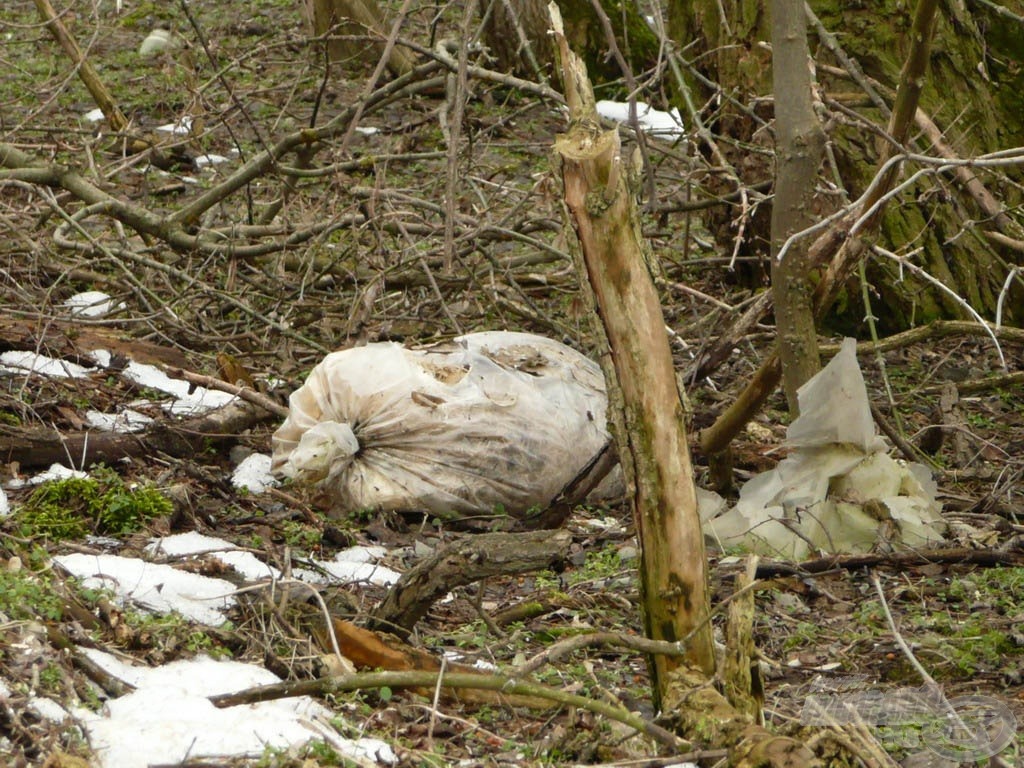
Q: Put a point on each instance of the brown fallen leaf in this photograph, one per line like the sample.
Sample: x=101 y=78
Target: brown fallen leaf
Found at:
x=370 y=650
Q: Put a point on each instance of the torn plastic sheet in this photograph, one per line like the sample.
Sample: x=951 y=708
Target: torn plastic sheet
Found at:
x=495 y=422
x=838 y=491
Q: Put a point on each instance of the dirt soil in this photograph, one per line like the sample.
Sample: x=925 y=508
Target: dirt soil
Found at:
x=363 y=249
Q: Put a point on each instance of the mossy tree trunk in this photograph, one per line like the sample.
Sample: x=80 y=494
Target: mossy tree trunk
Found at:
x=974 y=94
x=516 y=34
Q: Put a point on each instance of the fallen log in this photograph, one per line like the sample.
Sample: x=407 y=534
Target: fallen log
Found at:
x=42 y=446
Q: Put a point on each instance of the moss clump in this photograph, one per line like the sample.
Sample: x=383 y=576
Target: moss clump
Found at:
x=102 y=504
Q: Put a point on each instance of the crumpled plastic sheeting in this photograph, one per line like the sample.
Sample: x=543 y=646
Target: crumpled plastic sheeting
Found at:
x=495 y=421
x=838 y=491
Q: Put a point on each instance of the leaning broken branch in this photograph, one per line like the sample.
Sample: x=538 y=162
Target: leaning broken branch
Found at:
x=464 y=562
x=644 y=402
x=103 y=98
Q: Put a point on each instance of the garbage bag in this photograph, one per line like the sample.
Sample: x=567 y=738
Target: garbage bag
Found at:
x=493 y=423
x=838 y=490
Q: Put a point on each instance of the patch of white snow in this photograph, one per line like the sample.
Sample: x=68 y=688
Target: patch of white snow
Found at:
x=157 y=587
x=169 y=719
x=253 y=474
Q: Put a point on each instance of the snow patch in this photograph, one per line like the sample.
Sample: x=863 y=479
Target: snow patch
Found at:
x=156 y=587
x=21 y=362
x=92 y=304
x=253 y=474
x=55 y=472
x=125 y=422
x=168 y=718
x=246 y=564
x=189 y=399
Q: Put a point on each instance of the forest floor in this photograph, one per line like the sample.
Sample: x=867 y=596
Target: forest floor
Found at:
x=379 y=264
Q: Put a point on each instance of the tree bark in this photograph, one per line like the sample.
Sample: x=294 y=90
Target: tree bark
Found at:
x=644 y=400
x=516 y=33
x=799 y=146
x=347 y=23
x=715 y=438
x=860 y=49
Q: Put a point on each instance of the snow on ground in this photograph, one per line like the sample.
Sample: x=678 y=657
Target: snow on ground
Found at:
x=92 y=304
x=349 y=566
x=153 y=586
x=168 y=718
x=189 y=399
x=246 y=564
x=253 y=474
x=162 y=588
x=24 y=362
x=356 y=564
x=55 y=472
x=125 y=421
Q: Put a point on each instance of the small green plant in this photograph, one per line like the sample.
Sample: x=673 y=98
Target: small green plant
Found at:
x=300 y=535
x=323 y=753
x=25 y=595
x=102 y=503
x=51 y=678
x=805 y=633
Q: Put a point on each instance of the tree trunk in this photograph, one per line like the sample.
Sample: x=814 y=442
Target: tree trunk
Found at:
x=799 y=146
x=975 y=97
x=516 y=33
x=348 y=24
x=644 y=399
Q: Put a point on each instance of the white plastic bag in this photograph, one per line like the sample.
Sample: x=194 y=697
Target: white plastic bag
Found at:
x=838 y=491
x=494 y=422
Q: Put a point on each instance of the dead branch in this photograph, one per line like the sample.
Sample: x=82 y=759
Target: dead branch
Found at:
x=103 y=98
x=248 y=394
x=40 y=446
x=419 y=679
x=464 y=562
x=989 y=558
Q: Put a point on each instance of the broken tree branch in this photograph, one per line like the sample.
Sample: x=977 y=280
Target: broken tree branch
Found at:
x=644 y=399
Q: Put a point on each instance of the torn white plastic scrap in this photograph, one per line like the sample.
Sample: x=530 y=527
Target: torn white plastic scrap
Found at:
x=830 y=492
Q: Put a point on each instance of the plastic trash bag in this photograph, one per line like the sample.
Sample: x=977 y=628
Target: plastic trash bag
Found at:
x=838 y=491
x=493 y=423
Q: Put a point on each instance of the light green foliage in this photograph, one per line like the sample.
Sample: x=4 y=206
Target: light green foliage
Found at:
x=50 y=678
x=26 y=595
x=102 y=503
x=964 y=639
x=318 y=753
x=301 y=535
